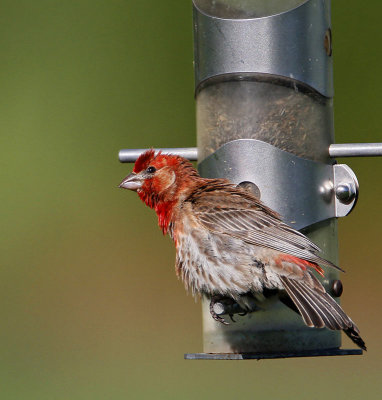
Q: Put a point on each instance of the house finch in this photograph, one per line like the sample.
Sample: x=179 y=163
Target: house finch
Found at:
x=230 y=245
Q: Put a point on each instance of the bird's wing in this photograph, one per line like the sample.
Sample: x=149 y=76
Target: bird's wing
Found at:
x=235 y=212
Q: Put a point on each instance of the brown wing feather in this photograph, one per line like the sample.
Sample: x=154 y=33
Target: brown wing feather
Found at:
x=224 y=208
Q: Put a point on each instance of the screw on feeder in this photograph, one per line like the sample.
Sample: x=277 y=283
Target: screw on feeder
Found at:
x=345 y=192
x=336 y=288
x=326 y=191
x=328 y=42
x=251 y=187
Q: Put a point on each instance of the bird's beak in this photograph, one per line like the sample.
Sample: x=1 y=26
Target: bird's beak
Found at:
x=132 y=182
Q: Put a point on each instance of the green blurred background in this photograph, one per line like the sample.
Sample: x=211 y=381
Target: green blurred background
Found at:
x=90 y=305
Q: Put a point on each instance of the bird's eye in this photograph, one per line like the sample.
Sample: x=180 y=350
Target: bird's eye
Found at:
x=151 y=170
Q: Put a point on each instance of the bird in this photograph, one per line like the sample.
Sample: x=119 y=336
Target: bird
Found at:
x=230 y=245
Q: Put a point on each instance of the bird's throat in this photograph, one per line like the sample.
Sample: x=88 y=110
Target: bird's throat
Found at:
x=164 y=209
x=164 y=212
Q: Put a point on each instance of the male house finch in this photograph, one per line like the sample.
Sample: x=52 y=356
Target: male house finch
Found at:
x=230 y=245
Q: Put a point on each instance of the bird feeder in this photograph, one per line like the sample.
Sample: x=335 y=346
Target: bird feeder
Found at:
x=264 y=111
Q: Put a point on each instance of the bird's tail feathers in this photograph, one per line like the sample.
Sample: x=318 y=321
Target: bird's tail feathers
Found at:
x=318 y=309
x=354 y=336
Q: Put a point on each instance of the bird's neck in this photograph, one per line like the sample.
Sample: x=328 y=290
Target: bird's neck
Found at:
x=163 y=207
x=165 y=212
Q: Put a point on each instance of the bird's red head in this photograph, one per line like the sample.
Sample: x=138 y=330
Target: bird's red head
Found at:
x=158 y=160
x=160 y=181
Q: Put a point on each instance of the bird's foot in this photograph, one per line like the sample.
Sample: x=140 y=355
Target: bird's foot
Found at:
x=216 y=303
x=220 y=305
x=231 y=316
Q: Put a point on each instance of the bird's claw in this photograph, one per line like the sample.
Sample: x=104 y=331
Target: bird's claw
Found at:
x=218 y=318
x=215 y=316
